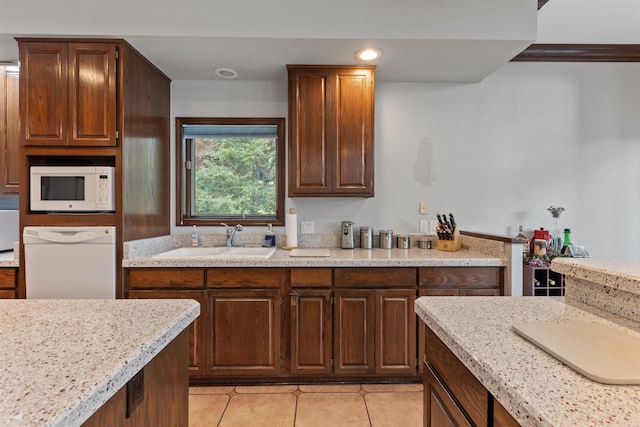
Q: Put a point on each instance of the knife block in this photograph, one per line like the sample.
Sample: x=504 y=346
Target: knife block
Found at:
x=450 y=245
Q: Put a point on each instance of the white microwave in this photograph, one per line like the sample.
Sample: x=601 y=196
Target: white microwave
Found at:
x=72 y=188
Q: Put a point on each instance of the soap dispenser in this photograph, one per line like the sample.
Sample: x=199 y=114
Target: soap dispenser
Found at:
x=269 y=238
x=195 y=241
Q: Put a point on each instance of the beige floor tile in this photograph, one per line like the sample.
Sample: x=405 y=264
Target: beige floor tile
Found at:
x=395 y=409
x=330 y=388
x=257 y=410
x=206 y=409
x=266 y=389
x=331 y=409
x=211 y=390
x=391 y=388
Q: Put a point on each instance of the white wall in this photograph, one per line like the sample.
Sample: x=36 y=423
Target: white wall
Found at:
x=496 y=153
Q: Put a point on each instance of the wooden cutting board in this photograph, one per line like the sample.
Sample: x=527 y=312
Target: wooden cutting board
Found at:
x=310 y=252
x=599 y=352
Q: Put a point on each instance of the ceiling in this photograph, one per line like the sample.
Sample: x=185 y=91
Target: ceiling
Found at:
x=421 y=40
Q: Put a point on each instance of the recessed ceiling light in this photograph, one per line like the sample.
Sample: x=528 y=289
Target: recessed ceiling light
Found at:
x=226 y=73
x=368 y=54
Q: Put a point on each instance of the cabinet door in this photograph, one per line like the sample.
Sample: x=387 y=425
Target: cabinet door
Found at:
x=395 y=332
x=244 y=332
x=352 y=135
x=440 y=409
x=92 y=94
x=9 y=131
x=354 y=332
x=331 y=131
x=309 y=150
x=310 y=331
x=196 y=330
x=43 y=93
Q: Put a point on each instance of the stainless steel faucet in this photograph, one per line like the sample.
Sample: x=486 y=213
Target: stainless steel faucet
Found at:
x=231 y=233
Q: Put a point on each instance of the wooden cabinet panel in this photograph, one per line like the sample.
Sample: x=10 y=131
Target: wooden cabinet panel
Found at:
x=354 y=133
x=311 y=332
x=68 y=93
x=43 y=93
x=7 y=294
x=354 y=334
x=395 y=332
x=393 y=277
x=244 y=333
x=166 y=278
x=311 y=277
x=92 y=94
x=244 y=277
x=331 y=113
x=502 y=418
x=9 y=131
x=8 y=278
x=461 y=277
x=195 y=330
x=440 y=409
x=460 y=382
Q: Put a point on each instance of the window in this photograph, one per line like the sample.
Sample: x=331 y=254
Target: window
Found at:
x=230 y=170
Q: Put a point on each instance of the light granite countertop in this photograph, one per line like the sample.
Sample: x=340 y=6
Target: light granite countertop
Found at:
x=622 y=275
x=63 y=359
x=338 y=258
x=10 y=258
x=536 y=388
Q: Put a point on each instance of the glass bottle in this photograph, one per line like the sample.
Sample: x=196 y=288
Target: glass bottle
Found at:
x=567 y=241
x=525 y=247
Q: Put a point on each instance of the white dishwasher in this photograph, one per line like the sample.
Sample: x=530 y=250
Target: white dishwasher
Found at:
x=70 y=262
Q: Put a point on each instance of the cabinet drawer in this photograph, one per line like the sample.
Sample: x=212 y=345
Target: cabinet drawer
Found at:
x=311 y=277
x=165 y=278
x=457 y=379
x=7 y=278
x=460 y=277
x=375 y=277
x=244 y=277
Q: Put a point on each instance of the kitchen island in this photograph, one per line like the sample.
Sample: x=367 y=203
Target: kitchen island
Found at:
x=67 y=362
x=532 y=386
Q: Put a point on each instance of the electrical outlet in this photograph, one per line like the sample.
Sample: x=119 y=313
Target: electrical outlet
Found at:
x=424 y=226
x=306 y=227
x=432 y=226
x=422 y=208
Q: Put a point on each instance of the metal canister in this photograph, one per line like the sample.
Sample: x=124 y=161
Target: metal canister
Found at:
x=366 y=237
x=402 y=241
x=386 y=239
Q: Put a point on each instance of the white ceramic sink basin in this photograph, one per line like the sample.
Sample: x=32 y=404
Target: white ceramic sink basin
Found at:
x=218 y=252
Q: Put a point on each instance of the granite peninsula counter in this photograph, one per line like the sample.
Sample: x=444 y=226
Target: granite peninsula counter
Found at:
x=535 y=388
x=63 y=359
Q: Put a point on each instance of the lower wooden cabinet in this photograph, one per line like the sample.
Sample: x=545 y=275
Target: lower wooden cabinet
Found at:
x=453 y=396
x=311 y=320
x=8 y=277
x=395 y=332
x=244 y=332
x=195 y=330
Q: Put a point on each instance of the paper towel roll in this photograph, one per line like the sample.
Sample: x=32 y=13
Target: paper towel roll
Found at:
x=291 y=229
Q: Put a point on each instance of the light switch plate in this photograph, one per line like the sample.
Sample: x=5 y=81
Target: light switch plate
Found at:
x=422 y=207
x=424 y=226
x=306 y=227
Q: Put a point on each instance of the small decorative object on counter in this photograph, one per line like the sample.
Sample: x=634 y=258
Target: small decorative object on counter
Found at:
x=386 y=239
x=269 y=238
x=195 y=240
x=448 y=235
x=402 y=241
x=525 y=247
x=555 y=243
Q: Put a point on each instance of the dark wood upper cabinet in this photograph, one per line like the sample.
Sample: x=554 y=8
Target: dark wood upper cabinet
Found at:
x=68 y=93
x=331 y=116
x=9 y=131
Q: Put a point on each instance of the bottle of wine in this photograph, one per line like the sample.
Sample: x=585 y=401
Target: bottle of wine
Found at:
x=525 y=247
x=567 y=242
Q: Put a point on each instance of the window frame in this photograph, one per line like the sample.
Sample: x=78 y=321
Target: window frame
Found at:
x=183 y=190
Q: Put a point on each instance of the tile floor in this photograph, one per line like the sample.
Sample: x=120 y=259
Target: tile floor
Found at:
x=352 y=405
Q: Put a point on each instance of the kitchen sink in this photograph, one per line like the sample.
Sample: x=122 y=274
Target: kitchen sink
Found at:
x=222 y=252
